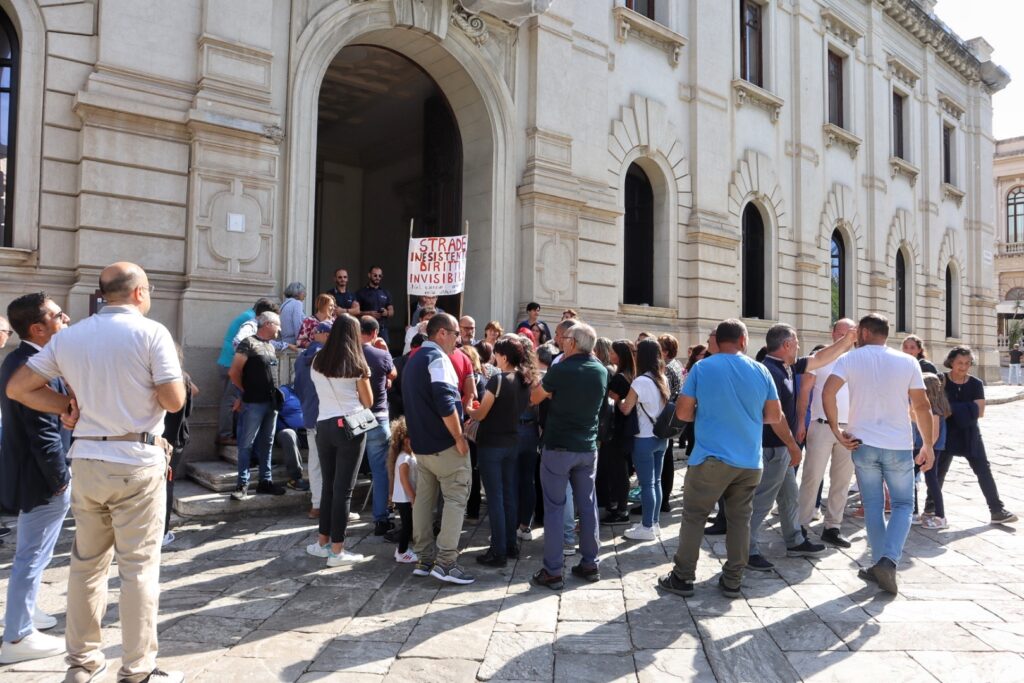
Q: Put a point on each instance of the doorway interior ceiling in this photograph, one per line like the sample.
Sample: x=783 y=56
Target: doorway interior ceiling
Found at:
x=371 y=106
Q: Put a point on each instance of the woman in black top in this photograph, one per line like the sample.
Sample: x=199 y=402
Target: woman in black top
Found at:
x=505 y=398
x=966 y=395
x=914 y=346
x=613 y=456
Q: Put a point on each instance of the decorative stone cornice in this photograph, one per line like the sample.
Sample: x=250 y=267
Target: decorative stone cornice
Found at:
x=902 y=71
x=952 y=192
x=951 y=106
x=514 y=12
x=629 y=23
x=948 y=47
x=836 y=135
x=840 y=27
x=903 y=167
x=746 y=91
x=808 y=263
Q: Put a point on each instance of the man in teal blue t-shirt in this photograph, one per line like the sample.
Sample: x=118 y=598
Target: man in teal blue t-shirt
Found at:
x=729 y=397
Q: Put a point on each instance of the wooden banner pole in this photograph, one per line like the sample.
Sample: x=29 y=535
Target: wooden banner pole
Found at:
x=408 y=308
x=462 y=294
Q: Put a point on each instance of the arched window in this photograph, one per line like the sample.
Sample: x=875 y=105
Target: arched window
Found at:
x=638 y=240
x=1015 y=294
x=838 y=276
x=952 y=302
x=753 y=263
x=901 y=293
x=9 y=58
x=1015 y=216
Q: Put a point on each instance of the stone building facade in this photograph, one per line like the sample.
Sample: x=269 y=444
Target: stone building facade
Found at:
x=1008 y=171
x=653 y=164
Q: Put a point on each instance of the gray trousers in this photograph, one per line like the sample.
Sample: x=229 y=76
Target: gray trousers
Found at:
x=777 y=481
x=557 y=470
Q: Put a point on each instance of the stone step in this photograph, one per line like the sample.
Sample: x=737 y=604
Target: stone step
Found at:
x=220 y=476
x=192 y=500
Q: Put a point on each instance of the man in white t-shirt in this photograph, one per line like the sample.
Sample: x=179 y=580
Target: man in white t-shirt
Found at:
x=881 y=380
x=822 y=447
x=125 y=373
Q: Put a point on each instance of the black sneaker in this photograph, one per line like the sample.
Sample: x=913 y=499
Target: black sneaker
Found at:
x=392 y=535
x=616 y=518
x=298 y=484
x=728 y=591
x=452 y=574
x=422 y=568
x=240 y=493
x=835 y=538
x=867 y=575
x=591 y=574
x=512 y=552
x=805 y=549
x=492 y=559
x=544 y=580
x=1003 y=517
x=885 y=573
x=271 y=488
x=715 y=529
x=670 y=583
x=759 y=563
x=382 y=527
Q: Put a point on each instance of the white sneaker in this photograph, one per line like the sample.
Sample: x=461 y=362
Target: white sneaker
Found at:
x=168 y=539
x=934 y=523
x=344 y=557
x=317 y=550
x=657 y=529
x=568 y=549
x=353 y=516
x=639 y=532
x=408 y=557
x=35 y=645
x=817 y=515
x=524 y=534
x=41 y=621
x=915 y=519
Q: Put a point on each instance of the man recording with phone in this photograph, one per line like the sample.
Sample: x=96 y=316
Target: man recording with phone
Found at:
x=879 y=432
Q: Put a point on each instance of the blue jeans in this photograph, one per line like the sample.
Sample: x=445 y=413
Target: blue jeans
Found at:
x=528 y=442
x=896 y=468
x=38 y=530
x=569 y=519
x=377 y=441
x=256 y=427
x=557 y=470
x=778 y=481
x=498 y=471
x=649 y=460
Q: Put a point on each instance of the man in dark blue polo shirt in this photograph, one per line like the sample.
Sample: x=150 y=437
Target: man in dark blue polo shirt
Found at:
x=780 y=452
x=382 y=370
x=375 y=301
x=344 y=299
x=576 y=386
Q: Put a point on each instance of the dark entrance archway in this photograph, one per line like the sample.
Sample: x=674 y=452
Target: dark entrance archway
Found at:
x=638 y=241
x=388 y=152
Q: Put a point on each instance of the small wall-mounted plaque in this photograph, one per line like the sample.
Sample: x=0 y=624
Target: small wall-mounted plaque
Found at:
x=236 y=222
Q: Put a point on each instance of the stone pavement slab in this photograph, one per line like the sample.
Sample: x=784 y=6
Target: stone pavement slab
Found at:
x=241 y=601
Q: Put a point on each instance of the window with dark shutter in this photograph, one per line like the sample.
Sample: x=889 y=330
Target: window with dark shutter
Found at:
x=9 y=59
x=897 y=126
x=901 y=293
x=947 y=154
x=751 y=43
x=644 y=7
x=753 y=283
x=835 y=89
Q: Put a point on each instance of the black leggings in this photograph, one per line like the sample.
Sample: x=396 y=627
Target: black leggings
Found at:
x=668 y=477
x=405 y=533
x=613 y=476
x=339 y=465
x=173 y=472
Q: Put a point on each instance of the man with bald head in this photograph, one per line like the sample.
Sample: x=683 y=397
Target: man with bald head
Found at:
x=467 y=331
x=823 y=447
x=126 y=376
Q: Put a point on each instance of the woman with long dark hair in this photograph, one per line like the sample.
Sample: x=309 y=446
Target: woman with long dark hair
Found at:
x=613 y=457
x=966 y=396
x=342 y=381
x=648 y=394
x=914 y=346
x=505 y=398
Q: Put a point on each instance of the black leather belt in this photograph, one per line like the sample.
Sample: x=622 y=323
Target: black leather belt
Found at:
x=823 y=421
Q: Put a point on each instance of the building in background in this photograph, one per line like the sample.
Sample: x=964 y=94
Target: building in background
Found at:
x=652 y=164
x=1009 y=253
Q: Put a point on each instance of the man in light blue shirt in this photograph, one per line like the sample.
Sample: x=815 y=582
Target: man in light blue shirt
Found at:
x=729 y=397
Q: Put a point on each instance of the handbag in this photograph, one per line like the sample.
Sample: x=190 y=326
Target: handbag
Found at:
x=472 y=427
x=665 y=426
x=606 y=421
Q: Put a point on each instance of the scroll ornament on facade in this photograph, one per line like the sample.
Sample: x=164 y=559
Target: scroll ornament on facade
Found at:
x=513 y=11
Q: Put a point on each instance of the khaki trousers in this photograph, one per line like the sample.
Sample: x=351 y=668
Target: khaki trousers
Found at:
x=119 y=511
x=821 y=446
x=449 y=472
x=703 y=486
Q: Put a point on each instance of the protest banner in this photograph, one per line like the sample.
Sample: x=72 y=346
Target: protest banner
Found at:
x=437 y=265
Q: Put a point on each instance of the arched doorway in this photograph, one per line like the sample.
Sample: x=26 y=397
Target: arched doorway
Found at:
x=389 y=154
x=482 y=107
x=753 y=264
x=638 y=242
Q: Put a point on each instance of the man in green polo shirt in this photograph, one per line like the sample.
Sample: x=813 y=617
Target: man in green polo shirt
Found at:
x=576 y=386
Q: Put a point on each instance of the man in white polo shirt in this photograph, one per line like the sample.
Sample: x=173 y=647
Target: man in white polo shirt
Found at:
x=823 y=447
x=881 y=381
x=125 y=373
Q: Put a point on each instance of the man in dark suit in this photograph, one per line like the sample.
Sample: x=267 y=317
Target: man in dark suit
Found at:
x=34 y=481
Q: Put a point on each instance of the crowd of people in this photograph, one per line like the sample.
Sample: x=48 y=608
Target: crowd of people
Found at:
x=548 y=427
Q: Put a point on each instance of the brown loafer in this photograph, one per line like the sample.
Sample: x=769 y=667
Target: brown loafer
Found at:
x=314 y=513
